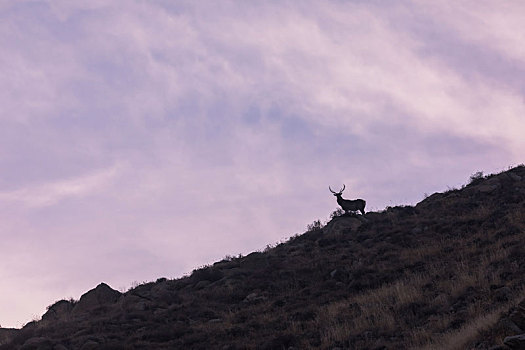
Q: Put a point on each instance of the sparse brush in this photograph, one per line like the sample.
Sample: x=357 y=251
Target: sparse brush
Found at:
x=336 y=213
x=476 y=178
x=314 y=226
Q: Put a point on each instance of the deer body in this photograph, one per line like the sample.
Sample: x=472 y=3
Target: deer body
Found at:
x=347 y=204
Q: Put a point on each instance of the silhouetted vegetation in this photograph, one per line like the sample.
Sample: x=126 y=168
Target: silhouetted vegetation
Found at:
x=476 y=178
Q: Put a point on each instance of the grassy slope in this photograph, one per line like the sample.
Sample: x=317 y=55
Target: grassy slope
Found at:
x=435 y=275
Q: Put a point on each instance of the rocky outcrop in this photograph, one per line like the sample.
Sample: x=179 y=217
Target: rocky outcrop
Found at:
x=518 y=316
x=102 y=295
x=516 y=321
x=516 y=342
x=58 y=311
x=344 y=224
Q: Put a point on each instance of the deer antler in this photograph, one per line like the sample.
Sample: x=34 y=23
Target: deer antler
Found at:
x=340 y=191
x=349 y=205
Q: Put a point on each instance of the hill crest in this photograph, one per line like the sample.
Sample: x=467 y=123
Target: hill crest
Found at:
x=447 y=272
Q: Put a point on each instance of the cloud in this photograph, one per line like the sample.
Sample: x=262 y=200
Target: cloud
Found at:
x=483 y=23
x=49 y=194
x=180 y=132
x=316 y=62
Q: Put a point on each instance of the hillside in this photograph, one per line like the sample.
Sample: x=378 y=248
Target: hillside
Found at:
x=448 y=273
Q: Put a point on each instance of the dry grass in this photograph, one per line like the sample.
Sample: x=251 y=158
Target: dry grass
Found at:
x=434 y=276
x=457 y=340
x=387 y=309
x=517 y=217
x=372 y=310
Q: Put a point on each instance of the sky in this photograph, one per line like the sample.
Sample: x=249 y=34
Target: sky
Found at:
x=143 y=139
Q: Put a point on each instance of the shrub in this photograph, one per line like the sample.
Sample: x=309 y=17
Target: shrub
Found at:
x=336 y=213
x=314 y=226
x=476 y=177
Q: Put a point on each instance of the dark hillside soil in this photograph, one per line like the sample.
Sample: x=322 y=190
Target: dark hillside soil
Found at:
x=448 y=273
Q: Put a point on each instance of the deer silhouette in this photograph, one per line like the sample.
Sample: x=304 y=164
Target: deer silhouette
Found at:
x=347 y=204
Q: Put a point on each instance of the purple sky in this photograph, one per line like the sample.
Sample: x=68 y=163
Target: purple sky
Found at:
x=142 y=139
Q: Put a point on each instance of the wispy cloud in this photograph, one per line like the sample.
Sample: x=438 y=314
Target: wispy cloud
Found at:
x=181 y=132
x=48 y=194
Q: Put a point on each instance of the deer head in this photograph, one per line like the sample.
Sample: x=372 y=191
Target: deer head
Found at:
x=337 y=193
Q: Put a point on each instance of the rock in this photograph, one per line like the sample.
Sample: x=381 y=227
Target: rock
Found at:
x=90 y=345
x=226 y=265
x=488 y=188
x=416 y=230
x=132 y=303
x=518 y=317
x=209 y=273
x=372 y=216
x=254 y=260
x=142 y=305
x=101 y=295
x=510 y=325
x=515 y=177
x=516 y=342
x=58 y=311
x=503 y=294
x=495 y=180
x=343 y=224
x=521 y=306
x=163 y=296
x=253 y=298
x=202 y=284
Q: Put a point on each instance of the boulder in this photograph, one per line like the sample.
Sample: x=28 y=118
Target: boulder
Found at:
x=516 y=342
x=343 y=224
x=518 y=317
x=488 y=188
x=503 y=294
x=201 y=284
x=515 y=177
x=208 y=273
x=131 y=303
x=508 y=324
x=254 y=298
x=100 y=296
x=90 y=345
x=416 y=230
x=58 y=311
